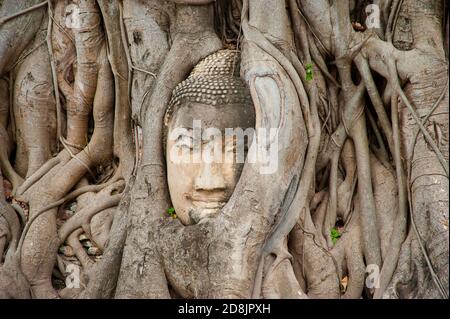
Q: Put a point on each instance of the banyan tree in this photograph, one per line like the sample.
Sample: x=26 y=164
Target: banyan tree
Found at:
x=334 y=183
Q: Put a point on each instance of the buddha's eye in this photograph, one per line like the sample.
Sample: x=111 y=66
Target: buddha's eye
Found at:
x=234 y=144
x=246 y=142
x=184 y=141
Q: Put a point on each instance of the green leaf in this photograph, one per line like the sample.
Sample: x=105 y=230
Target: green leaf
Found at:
x=309 y=72
x=171 y=211
x=335 y=235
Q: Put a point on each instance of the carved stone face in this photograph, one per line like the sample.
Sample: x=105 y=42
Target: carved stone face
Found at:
x=200 y=185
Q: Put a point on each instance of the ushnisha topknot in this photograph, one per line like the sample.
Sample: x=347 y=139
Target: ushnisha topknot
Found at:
x=214 y=81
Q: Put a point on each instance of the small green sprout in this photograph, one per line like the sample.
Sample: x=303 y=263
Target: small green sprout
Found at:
x=171 y=212
x=309 y=72
x=335 y=235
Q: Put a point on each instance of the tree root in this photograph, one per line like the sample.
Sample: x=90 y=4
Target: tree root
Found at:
x=83 y=218
x=78 y=249
x=37 y=175
x=17 y=14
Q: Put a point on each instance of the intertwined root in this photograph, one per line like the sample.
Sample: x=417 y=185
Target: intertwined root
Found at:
x=363 y=179
x=92 y=89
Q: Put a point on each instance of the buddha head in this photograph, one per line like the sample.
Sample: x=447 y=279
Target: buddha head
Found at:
x=204 y=157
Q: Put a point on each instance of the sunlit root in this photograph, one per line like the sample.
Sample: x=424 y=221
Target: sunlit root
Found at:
x=64 y=176
x=34 y=108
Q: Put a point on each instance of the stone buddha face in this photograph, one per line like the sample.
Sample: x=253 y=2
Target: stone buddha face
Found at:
x=204 y=161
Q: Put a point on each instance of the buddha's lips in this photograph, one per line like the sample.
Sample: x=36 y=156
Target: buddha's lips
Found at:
x=207 y=196
x=208 y=204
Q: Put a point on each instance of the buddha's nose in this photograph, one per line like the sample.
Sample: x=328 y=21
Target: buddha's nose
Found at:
x=210 y=178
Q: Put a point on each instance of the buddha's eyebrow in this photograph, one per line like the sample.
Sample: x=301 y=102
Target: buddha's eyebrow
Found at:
x=187 y=131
